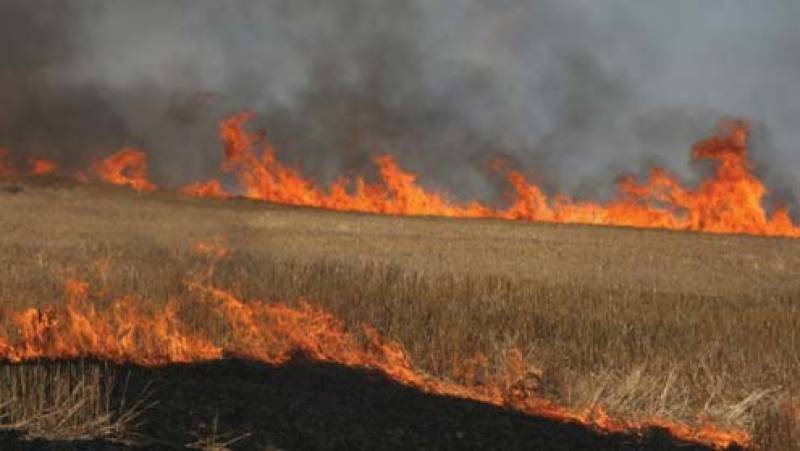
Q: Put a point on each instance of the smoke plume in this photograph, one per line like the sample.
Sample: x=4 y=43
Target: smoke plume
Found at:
x=578 y=91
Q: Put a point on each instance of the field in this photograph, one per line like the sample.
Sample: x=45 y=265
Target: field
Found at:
x=696 y=328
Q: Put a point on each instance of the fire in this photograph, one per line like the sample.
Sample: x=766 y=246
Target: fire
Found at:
x=731 y=201
x=41 y=166
x=38 y=166
x=263 y=177
x=133 y=330
x=128 y=167
x=211 y=188
x=216 y=248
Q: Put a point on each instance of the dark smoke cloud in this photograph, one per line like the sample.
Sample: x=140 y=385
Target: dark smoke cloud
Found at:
x=37 y=116
x=578 y=90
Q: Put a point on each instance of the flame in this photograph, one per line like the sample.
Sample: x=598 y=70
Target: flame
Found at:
x=263 y=177
x=133 y=330
x=127 y=167
x=215 y=248
x=38 y=166
x=731 y=201
x=42 y=166
x=211 y=188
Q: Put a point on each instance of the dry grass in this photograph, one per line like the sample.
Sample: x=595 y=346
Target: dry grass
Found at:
x=212 y=439
x=68 y=401
x=647 y=323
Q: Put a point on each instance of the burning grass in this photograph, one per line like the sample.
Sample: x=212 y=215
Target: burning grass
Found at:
x=132 y=330
x=457 y=296
x=729 y=201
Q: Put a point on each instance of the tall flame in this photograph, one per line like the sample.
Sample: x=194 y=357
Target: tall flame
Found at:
x=263 y=177
x=126 y=330
x=731 y=201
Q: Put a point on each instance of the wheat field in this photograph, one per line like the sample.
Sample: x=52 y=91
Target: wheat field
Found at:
x=685 y=326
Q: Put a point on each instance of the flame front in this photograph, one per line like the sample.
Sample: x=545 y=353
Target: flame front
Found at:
x=731 y=201
x=125 y=331
x=263 y=177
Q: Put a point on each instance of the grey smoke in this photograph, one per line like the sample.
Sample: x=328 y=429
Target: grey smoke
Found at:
x=579 y=91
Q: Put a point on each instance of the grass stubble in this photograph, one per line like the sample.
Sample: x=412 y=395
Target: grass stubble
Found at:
x=690 y=327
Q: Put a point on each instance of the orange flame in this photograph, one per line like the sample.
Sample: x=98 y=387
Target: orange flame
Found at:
x=263 y=177
x=128 y=167
x=728 y=202
x=42 y=166
x=215 y=248
x=38 y=166
x=211 y=188
x=125 y=330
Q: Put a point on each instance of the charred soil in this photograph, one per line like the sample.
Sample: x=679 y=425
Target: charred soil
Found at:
x=307 y=405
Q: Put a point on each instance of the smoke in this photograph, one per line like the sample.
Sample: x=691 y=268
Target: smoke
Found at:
x=578 y=91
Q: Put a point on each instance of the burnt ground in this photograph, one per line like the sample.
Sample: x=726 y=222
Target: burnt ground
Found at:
x=307 y=405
